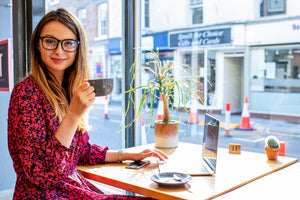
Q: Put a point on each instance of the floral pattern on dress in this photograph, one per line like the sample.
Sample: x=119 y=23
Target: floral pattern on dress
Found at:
x=45 y=168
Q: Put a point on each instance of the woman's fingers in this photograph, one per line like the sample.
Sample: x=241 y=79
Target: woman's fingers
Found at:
x=86 y=90
x=154 y=153
x=160 y=155
x=82 y=99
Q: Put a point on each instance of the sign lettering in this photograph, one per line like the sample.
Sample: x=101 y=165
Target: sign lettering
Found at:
x=296 y=27
x=200 y=38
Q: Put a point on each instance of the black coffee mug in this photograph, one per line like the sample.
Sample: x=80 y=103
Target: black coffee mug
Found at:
x=103 y=86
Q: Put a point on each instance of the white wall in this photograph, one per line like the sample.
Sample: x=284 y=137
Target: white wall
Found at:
x=167 y=14
x=273 y=32
x=293 y=7
x=220 y=11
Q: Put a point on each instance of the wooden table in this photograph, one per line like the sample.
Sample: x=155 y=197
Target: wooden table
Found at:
x=283 y=184
x=233 y=171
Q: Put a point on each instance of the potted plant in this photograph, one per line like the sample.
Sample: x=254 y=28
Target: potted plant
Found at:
x=272 y=147
x=162 y=85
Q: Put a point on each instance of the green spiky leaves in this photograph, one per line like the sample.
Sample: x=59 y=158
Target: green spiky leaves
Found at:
x=272 y=142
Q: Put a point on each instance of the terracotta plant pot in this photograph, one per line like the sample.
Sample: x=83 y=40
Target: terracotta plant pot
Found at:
x=166 y=135
x=272 y=153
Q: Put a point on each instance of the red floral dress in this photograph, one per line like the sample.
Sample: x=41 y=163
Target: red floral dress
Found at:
x=46 y=169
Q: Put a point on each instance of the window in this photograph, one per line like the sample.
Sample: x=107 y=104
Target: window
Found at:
x=94 y=18
x=54 y=2
x=82 y=17
x=279 y=72
x=273 y=7
x=102 y=20
x=274 y=72
x=147 y=14
x=196 y=7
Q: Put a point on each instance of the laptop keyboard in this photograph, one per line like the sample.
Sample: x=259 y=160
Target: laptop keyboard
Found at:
x=204 y=169
x=211 y=162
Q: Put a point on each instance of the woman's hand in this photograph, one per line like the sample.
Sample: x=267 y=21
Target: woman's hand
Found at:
x=112 y=156
x=83 y=98
x=144 y=154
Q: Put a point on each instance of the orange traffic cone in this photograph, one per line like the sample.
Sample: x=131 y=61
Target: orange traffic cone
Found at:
x=194 y=112
x=160 y=109
x=106 y=107
x=227 y=118
x=282 y=148
x=144 y=136
x=245 y=121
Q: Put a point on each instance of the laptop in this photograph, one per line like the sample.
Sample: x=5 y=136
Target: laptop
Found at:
x=192 y=162
x=209 y=145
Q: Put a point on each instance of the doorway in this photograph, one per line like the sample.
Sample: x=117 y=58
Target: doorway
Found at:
x=233 y=82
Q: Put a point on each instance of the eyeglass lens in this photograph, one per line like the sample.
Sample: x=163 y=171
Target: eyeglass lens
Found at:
x=52 y=43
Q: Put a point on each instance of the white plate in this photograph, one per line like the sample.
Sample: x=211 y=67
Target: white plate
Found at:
x=167 y=179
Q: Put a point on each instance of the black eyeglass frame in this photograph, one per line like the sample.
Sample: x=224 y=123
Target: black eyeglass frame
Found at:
x=59 y=41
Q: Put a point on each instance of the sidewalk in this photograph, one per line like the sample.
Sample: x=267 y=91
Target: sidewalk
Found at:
x=258 y=124
x=267 y=125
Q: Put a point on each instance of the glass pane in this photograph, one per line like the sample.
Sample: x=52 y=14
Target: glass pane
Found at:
x=220 y=62
x=197 y=15
x=82 y=17
x=278 y=75
x=275 y=5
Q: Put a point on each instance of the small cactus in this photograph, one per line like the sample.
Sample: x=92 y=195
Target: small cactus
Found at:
x=272 y=142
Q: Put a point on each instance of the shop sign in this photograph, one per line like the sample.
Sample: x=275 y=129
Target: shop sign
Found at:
x=200 y=38
x=157 y=41
x=114 y=46
x=296 y=27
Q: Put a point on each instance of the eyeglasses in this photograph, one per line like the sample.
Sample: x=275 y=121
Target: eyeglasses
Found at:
x=51 y=43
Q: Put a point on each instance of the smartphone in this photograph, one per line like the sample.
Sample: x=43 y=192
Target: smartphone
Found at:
x=137 y=164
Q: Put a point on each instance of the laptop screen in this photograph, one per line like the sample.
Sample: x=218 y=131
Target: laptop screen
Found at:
x=210 y=139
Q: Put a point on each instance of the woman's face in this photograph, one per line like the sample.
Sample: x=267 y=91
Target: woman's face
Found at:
x=57 y=60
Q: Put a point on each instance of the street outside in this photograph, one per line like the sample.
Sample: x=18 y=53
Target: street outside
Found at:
x=104 y=131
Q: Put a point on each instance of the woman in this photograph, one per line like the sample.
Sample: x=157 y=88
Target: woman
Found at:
x=47 y=135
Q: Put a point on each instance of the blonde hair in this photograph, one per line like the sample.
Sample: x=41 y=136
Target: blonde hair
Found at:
x=58 y=95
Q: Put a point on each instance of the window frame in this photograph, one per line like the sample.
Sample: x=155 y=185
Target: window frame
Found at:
x=102 y=21
x=193 y=6
x=266 y=11
x=82 y=16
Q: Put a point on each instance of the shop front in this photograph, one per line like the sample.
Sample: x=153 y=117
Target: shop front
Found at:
x=214 y=58
x=275 y=69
